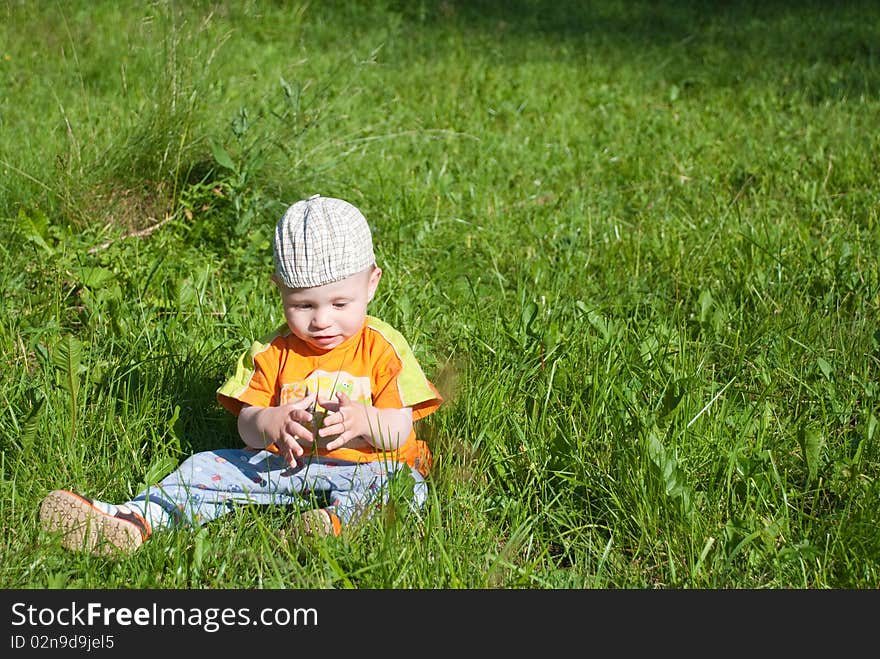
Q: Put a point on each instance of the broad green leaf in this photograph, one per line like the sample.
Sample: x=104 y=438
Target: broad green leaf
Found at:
x=648 y=348
x=222 y=157
x=93 y=277
x=811 y=442
x=825 y=367
x=673 y=480
x=529 y=313
x=599 y=323
x=67 y=357
x=706 y=302
x=202 y=546
x=158 y=470
x=30 y=425
x=673 y=395
x=34 y=230
x=173 y=421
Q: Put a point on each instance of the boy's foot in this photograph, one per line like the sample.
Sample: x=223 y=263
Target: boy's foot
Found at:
x=93 y=526
x=320 y=523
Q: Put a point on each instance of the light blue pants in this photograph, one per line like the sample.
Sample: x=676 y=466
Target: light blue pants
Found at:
x=210 y=484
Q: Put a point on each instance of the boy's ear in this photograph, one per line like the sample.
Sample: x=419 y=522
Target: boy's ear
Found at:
x=373 y=283
x=276 y=279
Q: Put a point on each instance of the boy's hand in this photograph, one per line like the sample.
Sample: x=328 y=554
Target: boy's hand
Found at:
x=293 y=432
x=345 y=421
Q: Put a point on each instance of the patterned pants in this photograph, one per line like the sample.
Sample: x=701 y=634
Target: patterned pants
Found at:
x=210 y=484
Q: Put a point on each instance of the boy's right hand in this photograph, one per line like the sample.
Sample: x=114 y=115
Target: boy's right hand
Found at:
x=287 y=426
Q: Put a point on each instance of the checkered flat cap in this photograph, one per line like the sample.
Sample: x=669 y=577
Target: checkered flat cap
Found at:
x=321 y=240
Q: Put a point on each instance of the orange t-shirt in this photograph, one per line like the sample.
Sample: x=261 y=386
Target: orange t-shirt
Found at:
x=376 y=367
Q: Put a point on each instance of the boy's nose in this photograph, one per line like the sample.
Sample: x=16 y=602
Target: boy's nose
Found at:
x=321 y=319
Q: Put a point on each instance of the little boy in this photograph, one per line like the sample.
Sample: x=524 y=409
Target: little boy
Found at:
x=325 y=404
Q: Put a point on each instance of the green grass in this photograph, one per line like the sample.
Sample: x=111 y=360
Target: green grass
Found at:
x=635 y=244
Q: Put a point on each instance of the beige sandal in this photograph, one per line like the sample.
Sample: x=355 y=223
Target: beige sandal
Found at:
x=84 y=527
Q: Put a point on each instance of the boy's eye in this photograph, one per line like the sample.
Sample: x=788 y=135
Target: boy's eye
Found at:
x=340 y=305
x=302 y=306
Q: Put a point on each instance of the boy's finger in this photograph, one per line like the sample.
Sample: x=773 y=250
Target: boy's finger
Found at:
x=336 y=443
x=329 y=404
x=304 y=434
x=298 y=419
x=304 y=402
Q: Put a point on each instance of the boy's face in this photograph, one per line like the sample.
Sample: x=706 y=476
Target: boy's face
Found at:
x=325 y=316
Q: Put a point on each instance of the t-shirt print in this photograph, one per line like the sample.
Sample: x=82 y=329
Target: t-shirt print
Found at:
x=326 y=385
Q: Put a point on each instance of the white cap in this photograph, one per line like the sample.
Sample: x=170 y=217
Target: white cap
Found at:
x=321 y=240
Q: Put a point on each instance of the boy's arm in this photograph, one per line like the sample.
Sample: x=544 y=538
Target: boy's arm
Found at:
x=384 y=428
x=285 y=426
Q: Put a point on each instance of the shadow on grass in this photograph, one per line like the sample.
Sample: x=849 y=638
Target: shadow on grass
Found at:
x=193 y=420
x=822 y=50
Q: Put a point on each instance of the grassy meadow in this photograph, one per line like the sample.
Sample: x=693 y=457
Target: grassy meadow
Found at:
x=633 y=243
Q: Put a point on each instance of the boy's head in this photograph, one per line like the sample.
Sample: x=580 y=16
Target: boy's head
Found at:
x=321 y=240
x=325 y=270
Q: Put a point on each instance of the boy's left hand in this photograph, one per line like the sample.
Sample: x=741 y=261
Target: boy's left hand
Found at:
x=345 y=421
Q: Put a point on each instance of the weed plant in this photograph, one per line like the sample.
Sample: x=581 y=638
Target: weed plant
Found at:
x=634 y=244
